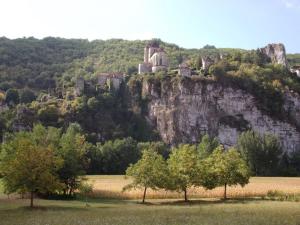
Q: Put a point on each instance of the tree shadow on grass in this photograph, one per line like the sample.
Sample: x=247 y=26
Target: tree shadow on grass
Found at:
x=59 y=205
x=208 y=201
x=54 y=208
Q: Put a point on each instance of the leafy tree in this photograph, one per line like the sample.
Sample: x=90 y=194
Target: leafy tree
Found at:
x=217 y=71
x=224 y=168
x=72 y=149
x=12 y=97
x=262 y=153
x=4 y=86
x=149 y=172
x=249 y=144
x=85 y=189
x=27 y=96
x=209 y=47
x=183 y=168
x=207 y=146
x=271 y=154
x=93 y=103
x=117 y=155
x=159 y=147
x=48 y=115
x=27 y=167
x=43 y=136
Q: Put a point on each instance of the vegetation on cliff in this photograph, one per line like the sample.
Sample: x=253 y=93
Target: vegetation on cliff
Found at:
x=38 y=78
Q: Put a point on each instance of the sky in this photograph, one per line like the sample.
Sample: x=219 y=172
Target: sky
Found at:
x=187 y=23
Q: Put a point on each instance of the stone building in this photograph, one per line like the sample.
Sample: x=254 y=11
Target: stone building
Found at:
x=155 y=59
x=184 y=70
x=112 y=81
x=108 y=81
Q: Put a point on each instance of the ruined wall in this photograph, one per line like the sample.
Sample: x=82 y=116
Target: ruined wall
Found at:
x=183 y=111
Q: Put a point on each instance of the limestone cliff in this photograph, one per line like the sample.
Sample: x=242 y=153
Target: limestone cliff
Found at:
x=182 y=111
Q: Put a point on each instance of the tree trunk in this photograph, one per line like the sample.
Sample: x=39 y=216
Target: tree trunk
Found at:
x=225 y=191
x=144 y=196
x=31 y=199
x=185 y=195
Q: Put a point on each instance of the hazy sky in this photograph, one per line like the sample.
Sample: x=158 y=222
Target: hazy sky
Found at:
x=188 y=23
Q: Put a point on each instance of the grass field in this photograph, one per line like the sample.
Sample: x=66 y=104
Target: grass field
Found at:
x=130 y=213
x=109 y=210
x=111 y=187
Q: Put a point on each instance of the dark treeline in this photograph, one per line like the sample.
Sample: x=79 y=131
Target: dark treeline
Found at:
x=50 y=161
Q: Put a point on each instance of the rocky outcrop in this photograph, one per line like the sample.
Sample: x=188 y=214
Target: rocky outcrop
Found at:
x=276 y=53
x=183 y=111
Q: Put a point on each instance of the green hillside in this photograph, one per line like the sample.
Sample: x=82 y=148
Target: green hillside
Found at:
x=294 y=59
x=46 y=63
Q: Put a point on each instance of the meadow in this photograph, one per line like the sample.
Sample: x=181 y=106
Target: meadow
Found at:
x=109 y=205
x=111 y=187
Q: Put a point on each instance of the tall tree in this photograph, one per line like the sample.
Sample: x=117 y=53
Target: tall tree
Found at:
x=12 y=97
x=72 y=150
x=183 y=168
x=224 y=168
x=262 y=152
x=27 y=96
x=27 y=167
x=149 y=172
x=207 y=146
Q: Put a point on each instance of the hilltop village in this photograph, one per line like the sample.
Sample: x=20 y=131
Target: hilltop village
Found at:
x=156 y=60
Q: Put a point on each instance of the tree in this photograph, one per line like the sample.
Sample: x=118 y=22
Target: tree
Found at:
x=216 y=70
x=271 y=154
x=224 y=168
x=249 y=145
x=72 y=149
x=93 y=103
x=149 y=172
x=27 y=96
x=183 y=168
x=27 y=167
x=207 y=146
x=48 y=115
x=209 y=47
x=118 y=154
x=158 y=146
x=12 y=97
x=85 y=189
x=262 y=153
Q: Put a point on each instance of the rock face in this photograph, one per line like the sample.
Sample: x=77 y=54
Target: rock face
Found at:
x=184 y=111
x=276 y=53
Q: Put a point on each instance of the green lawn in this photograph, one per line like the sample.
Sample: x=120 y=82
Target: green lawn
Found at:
x=13 y=212
x=210 y=211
